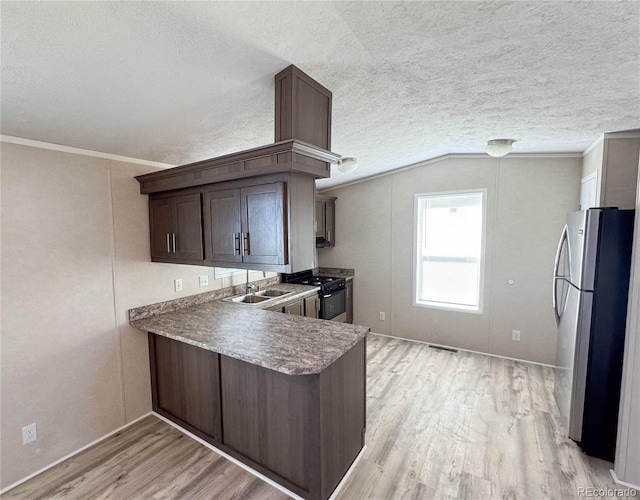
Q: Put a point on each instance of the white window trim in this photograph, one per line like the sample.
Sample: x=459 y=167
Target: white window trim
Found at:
x=441 y=306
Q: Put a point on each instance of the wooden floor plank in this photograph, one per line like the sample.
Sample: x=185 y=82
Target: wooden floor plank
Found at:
x=440 y=425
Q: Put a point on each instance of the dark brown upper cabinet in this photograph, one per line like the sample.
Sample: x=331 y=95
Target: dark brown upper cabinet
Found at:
x=264 y=223
x=176 y=226
x=325 y=222
x=223 y=224
x=303 y=109
x=246 y=224
x=257 y=204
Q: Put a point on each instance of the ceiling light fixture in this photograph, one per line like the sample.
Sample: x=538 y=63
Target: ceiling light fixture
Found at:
x=347 y=165
x=499 y=147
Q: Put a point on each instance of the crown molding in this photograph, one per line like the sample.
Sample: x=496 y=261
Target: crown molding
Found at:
x=79 y=151
x=447 y=157
x=623 y=134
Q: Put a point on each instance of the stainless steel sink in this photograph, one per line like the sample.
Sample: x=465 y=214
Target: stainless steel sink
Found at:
x=273 y=293
x=257 y=297
x=248 y=299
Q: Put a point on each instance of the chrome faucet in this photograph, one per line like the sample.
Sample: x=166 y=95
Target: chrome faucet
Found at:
x=250 y=287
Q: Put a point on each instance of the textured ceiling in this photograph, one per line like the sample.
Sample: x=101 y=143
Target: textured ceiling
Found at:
x=177 y=82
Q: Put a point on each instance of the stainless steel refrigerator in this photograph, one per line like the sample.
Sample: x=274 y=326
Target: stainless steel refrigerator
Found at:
x=590 y=291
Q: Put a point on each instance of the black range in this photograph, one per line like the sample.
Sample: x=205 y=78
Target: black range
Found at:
x=333 y=294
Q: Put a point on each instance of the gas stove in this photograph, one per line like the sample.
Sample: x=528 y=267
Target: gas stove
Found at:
x=333 y=293
x=327 y=284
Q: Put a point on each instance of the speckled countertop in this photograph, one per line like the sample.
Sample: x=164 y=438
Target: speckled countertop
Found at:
x=285 y=343
x=336 y=272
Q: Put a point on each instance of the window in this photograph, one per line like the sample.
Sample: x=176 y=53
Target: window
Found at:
x=449 y=244
x=223 y=272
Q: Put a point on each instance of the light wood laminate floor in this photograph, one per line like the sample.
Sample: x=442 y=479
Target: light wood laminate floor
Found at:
x=440 y=425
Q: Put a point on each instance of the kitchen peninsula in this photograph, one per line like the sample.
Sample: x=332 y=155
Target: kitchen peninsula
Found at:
x=283 y=394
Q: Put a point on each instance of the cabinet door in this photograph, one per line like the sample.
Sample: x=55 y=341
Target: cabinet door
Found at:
x=188 y=227
x=222 y=225
x=263 y=223
x=175 y=224
x=185 y=384
x=320 y=219
x=295 y=308
x=312 y=307
x=330 y=222
x=161 y=227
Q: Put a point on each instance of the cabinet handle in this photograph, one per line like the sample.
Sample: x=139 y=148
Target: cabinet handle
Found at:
x=173 y=239
x=246 y=244
x=329 y=236
x=241 y=243
x=236 y=243
x=168 y=244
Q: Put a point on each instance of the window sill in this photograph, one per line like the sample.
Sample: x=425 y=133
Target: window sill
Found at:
x=448 y=307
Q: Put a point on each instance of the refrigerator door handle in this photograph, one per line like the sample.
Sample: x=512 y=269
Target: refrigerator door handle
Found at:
x=554 y=297
x=556 y=266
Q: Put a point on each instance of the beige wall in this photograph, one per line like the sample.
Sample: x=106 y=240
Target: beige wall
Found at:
x=363 y=242
x=592 y=163
x=592 y=160
x=527 y=202
x=75 y=258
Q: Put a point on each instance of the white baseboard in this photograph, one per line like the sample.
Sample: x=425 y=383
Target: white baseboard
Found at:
x=72 y=454
x=460 y=349
x=348 y=473
x=256 y=473
x=230 y=458
x=621 y=482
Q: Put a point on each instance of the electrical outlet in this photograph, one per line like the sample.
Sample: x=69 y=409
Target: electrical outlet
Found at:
x=382 y=316
x=204 y=280
x=515 y=335
x=178 y=284
x=29 y=433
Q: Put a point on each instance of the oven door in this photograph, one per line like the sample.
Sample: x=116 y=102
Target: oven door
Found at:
x=333 y=306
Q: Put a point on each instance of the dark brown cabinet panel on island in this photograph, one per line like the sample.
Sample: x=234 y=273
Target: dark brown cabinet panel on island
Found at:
x=185 y=386
x=175 y=222
x=302 y=431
